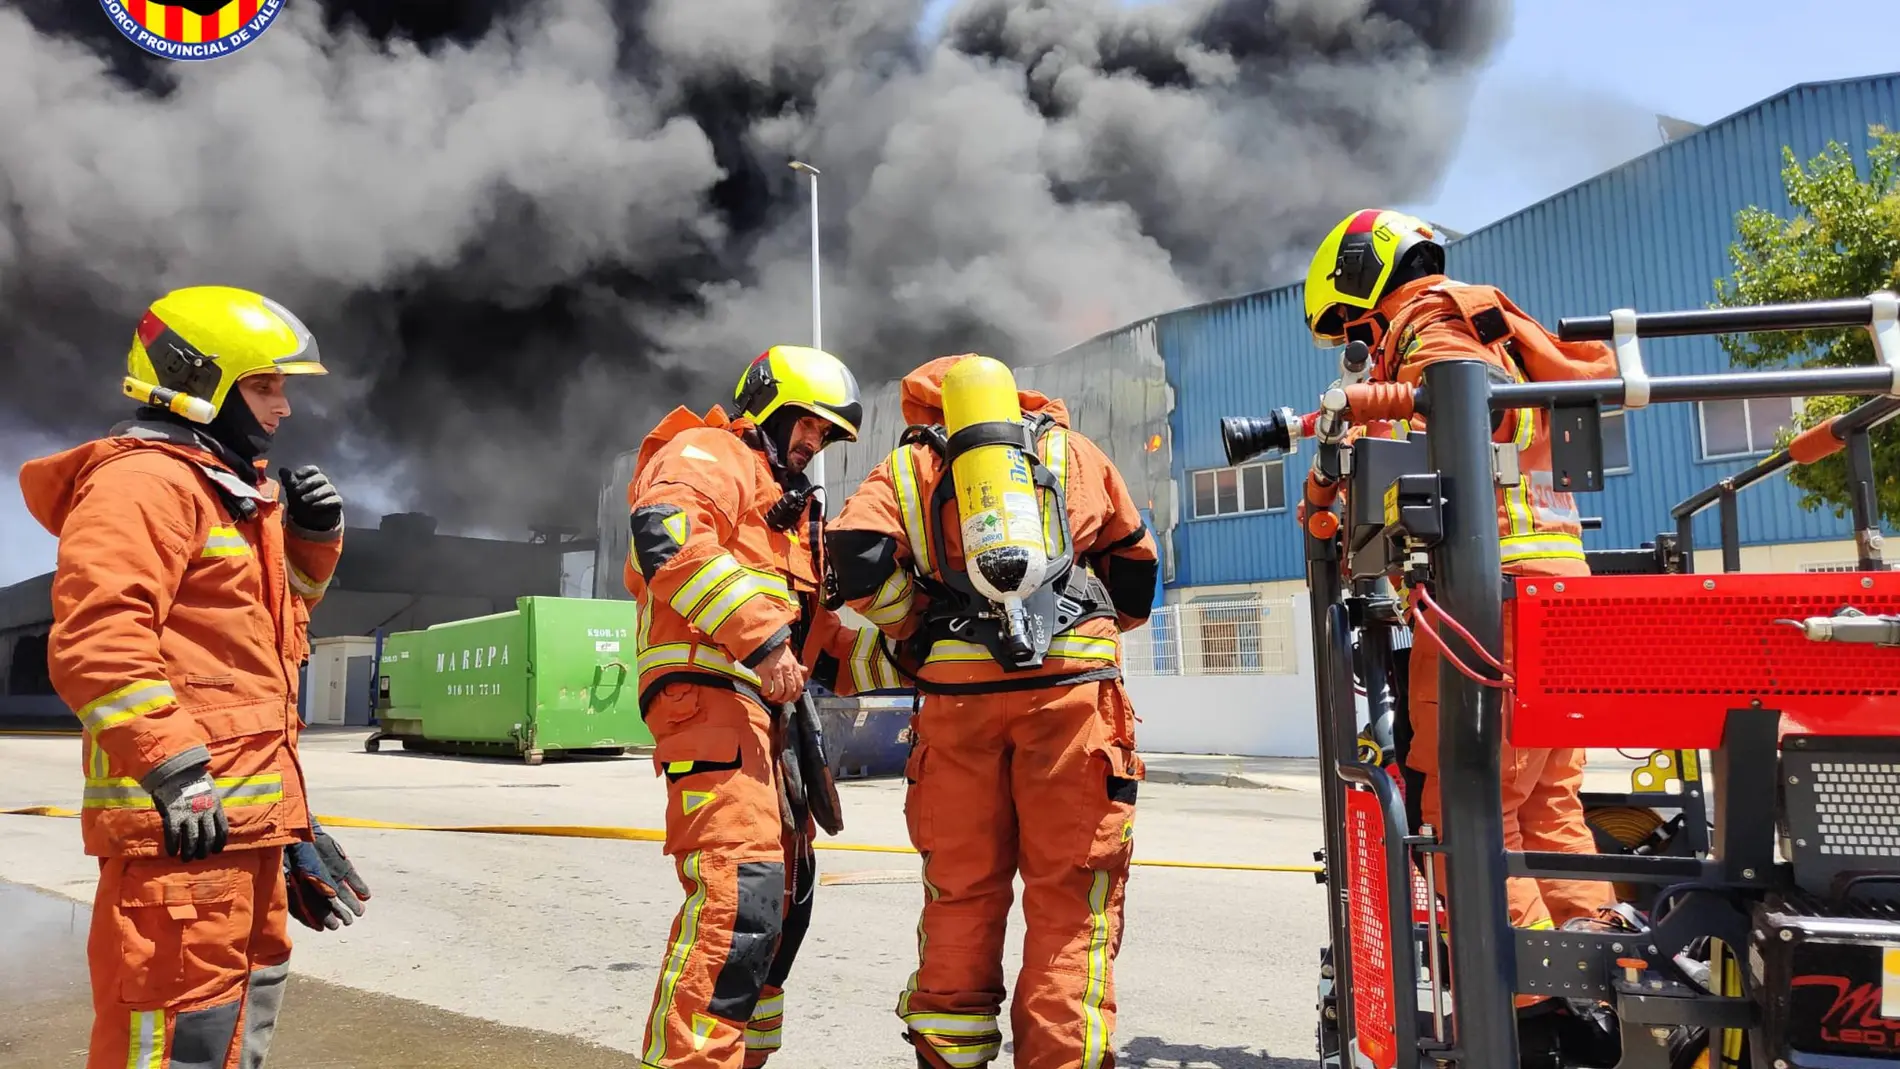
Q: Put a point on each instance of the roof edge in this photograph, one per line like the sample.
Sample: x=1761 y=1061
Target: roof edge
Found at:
x=1704 y=131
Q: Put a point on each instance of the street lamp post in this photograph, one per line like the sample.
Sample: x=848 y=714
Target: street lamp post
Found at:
x=816 y=469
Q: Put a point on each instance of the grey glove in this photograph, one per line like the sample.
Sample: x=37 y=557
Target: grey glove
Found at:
x=187 y=803
x=311 y=499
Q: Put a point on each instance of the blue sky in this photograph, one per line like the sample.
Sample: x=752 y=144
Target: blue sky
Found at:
x=1574 y=91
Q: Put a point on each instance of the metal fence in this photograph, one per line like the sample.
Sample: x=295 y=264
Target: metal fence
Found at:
x=1242 y=637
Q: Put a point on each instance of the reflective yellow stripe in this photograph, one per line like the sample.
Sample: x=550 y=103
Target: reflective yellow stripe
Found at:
x=894 y=599
x=930 y=889
x=1517 y=509
x=1055 y=456
x=960 y=1039
x=1548 y=546
x=302 y=585
x=147 y=1048
x=951 y=1024
x=133 y=699
x=225 y=542
x=762 y=1039
x=702 y=583
x=1074 y=647
x=949 y=649
x=1085 y=648
x=767 y=1008
x=96 y=760
x=910 y=505
x=751 y=584
x=870 y=668
x=693 y=655
x=121 y=792
x=677 y=954
x=864 y=651
x=1095 y=1039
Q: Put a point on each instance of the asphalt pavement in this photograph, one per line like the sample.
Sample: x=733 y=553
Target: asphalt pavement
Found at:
x=529 y=950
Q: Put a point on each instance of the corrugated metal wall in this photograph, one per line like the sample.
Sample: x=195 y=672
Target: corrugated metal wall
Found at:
x=610 y=554
x=1652 y=234
x=1238 y=358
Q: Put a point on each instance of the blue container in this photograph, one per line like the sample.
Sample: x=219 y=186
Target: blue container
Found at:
x=866 y=737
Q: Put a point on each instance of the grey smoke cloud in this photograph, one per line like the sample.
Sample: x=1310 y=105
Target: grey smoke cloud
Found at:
x=525 y=237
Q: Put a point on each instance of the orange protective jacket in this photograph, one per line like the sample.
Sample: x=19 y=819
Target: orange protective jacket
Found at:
x=718 y=588
x=1434 y=318
x=880 y=542
x=178 y=629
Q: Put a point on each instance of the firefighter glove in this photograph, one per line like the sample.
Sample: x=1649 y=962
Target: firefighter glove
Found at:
x=325 y=891
x=311 y=498
x=188 y=806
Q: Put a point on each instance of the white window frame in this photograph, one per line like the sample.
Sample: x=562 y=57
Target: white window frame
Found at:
x=1795 y=405
x=1622 y=417
x=1273 y=469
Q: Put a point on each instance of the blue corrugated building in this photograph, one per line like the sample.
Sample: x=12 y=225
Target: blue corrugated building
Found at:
x=1652 y=234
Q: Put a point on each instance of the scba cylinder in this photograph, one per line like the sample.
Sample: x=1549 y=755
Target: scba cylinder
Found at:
x=998 y=509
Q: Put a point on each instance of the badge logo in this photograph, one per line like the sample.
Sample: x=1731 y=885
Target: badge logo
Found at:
x=192 y=30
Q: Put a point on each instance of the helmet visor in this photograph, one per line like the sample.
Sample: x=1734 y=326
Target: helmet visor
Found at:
x=1329 y=327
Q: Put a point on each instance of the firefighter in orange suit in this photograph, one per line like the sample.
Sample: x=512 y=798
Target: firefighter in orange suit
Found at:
x=180 y=603
x=1379 y=278
x=725 y=562
x=1029 y=770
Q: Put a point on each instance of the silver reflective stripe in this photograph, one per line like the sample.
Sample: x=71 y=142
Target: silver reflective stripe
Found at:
x=133 y=699
x=148 y=1040
x=736 y=593
x=303 y=585
x=710 y=574
x=225 y=542
x=1096 y=1038
x=125 y=793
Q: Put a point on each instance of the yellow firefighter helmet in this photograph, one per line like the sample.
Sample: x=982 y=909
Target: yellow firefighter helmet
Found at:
x=194 y=344
x=1352 y=270
x=798 y=376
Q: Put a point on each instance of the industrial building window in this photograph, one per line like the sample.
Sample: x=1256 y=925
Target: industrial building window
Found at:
x=1235 y=491
x=1744 y=428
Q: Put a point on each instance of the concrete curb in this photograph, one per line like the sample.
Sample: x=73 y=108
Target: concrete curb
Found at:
x=1198 y=778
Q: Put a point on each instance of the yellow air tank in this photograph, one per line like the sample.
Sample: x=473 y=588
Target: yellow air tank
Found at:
x=998 y=509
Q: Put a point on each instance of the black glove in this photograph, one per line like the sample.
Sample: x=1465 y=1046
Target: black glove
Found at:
x=325 y=891
x=187 y=803
x=311 y=498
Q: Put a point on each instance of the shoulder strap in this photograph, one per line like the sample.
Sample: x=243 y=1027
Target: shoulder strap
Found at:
x=911 y=505
x=1481 y=306
x=1053 y=448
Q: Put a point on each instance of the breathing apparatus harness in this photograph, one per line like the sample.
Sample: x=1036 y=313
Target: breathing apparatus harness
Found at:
x=956 y=611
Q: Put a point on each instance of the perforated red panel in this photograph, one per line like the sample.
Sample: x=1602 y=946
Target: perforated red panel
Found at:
x=1368 y=914
x=1659 y=660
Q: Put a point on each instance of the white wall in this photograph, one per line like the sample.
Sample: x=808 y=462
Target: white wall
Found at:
x=1259 y=714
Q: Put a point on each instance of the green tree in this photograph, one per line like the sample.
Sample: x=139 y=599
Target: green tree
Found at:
x=1843 y=240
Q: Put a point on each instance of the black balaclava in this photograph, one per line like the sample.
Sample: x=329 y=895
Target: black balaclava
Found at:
x=777 y=430
x=237 y=429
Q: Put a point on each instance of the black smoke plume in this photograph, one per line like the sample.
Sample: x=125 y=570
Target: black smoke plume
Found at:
x=522 y=229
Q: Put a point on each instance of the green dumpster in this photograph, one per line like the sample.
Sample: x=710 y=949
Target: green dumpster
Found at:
x=555 y=675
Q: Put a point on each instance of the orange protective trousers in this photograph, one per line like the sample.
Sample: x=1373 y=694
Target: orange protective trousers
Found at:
x=720 y=999
x=1040 y=782
x=1542 y=807
x=188 y=960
